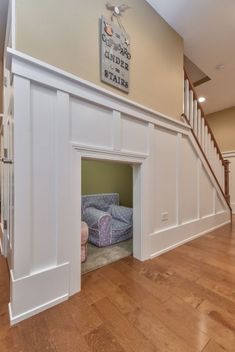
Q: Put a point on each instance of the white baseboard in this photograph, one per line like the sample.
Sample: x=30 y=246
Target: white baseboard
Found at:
x=25 y=315
x=186 y=232
x=39 y=291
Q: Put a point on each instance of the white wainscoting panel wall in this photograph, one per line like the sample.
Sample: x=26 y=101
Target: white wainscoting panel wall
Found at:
x=60 y=119
x=206 y=194
x=82 y=120
x=139 y=130
x=230 y=156
x=165 y=171
x=43 y=163
x=189 y=171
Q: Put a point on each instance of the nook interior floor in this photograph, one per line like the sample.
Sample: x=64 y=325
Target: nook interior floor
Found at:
x=98 y=257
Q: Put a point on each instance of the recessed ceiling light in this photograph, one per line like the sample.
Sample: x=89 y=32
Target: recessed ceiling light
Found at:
x=201 y=99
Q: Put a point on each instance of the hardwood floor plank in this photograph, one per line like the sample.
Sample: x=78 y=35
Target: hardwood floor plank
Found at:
x=64 y=330
x=158 y=333
x=221 y=334
x=35 y=335
x=212 y=346
x=101 y=340
x=222 y=288
x=159 y=291
x=102 y=288
x=205 y=265
x=78 y=310
x=155 y=308
x=220 y=316
x=129 y=337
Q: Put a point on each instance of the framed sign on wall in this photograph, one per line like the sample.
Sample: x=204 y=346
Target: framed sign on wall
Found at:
x=115 y=55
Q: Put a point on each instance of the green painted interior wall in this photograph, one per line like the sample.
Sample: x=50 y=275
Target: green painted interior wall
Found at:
x=107 y=177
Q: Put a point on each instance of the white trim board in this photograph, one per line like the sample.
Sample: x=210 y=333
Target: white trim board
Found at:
x=14 y=319
x=181 y=232
x=54 y=291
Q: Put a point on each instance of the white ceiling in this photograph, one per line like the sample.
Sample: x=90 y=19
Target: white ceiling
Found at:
x=3 y=19
x=208 y=30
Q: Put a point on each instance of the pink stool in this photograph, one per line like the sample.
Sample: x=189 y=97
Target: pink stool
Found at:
x=84 y=239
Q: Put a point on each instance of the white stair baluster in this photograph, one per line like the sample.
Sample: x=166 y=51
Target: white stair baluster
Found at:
x=199 y=122
x=223 y=186
x=206 y=141
x=203 y=133
x=219 y=169
x=214 y=163
x=210 y=149
x=191 y=108
x=186 y=99
x=195 y=117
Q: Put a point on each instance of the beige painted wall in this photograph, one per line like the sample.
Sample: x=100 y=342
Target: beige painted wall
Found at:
x=65 y=34
x=1 y=87
x=223 y=127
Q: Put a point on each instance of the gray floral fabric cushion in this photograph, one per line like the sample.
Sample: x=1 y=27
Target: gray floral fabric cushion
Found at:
x=108 y=222
x=100 y=201
x=93 y=216
x=121 y=213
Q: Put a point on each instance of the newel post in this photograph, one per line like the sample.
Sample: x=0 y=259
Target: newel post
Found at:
x=226 y=180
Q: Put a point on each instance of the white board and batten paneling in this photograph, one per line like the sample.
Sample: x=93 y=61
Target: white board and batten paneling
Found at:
x=63 y=119
x=230 y=156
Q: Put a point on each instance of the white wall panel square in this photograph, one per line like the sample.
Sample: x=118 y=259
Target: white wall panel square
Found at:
x=43 y=177
x=134 y=135
x=206 y=194
x=165 y=178
x=91 y=124
x=188 y=181
x=218 y=204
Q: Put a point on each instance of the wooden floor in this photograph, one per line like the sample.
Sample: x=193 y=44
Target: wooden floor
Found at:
x=182 y=301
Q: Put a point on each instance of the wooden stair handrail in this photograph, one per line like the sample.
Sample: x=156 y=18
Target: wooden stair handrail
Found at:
x=226 y=173
x=204 y=115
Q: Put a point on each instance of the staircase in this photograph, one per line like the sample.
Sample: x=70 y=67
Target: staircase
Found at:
x=195 y=117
